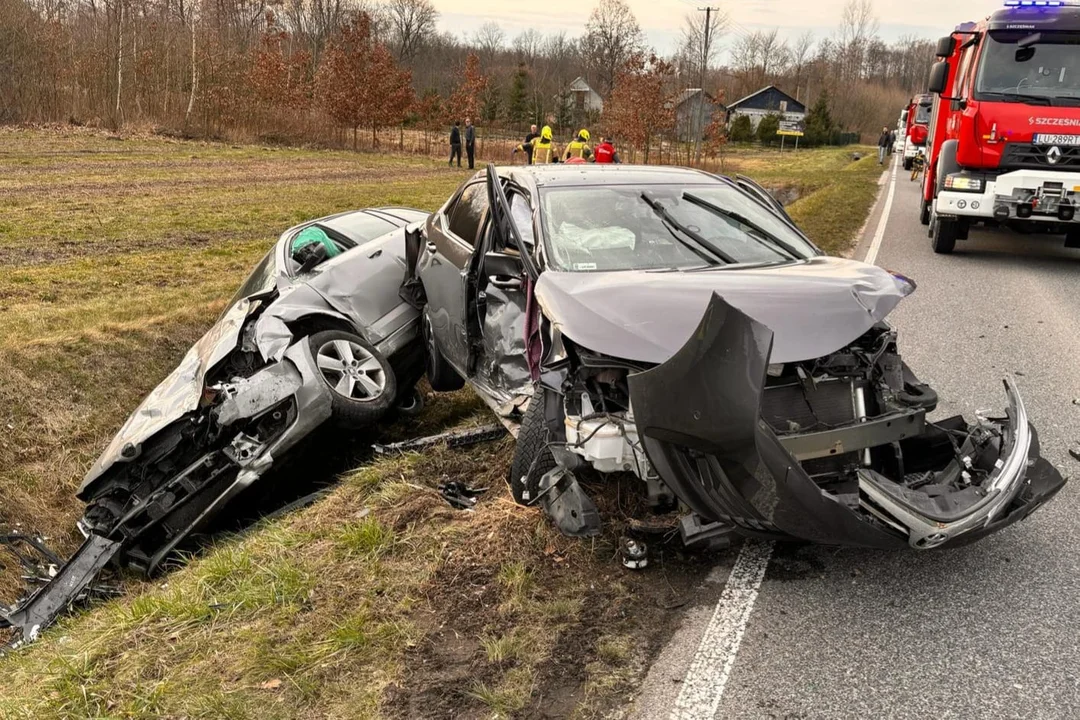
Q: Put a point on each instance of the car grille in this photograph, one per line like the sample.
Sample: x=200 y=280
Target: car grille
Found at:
x=1024 y=156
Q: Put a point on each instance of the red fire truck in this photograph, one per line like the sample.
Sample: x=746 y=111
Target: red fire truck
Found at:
x=917 y=130
x=1004 y=143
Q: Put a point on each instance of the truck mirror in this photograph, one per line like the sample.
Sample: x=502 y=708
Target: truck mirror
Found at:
x=939 y=77
x=945 y=46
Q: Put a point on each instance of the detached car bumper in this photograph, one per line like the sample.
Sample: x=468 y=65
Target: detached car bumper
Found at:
x=699 y=418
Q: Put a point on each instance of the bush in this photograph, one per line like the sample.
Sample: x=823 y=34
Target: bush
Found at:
x=742 y=131
x=767 y=128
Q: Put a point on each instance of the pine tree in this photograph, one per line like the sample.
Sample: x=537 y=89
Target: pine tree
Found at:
x=766 y=129
x=742 y=130
x=518 y=109
x=819 y=122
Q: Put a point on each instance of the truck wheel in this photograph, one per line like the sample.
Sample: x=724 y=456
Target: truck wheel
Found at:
x=532 y=456
x=362 y=383
x=441 y=375
x=924 y=212
x=944 y=237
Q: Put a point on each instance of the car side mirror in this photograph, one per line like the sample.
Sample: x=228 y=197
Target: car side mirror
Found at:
x=939 y=77
x=946 y=46
x=503 y=268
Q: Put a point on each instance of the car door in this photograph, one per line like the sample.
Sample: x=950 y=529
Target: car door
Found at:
x=450 y=243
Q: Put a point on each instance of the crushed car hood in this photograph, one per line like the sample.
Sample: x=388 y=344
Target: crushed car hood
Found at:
x=813 y=307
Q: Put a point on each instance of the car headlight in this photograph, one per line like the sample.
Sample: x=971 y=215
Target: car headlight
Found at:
x=963 y=183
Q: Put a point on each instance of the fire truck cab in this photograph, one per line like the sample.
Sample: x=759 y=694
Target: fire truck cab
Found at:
x=1004 y=145
x=917 y=130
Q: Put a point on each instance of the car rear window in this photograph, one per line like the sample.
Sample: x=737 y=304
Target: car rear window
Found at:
x=360 y=226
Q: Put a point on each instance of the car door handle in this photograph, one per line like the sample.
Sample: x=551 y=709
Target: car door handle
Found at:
x=505 y=283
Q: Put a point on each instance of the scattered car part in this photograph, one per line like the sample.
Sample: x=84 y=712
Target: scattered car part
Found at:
x=634 y=553
x=452 y=439
x=459 y=495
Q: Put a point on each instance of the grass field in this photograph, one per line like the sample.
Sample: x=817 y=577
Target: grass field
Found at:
x=379 y=601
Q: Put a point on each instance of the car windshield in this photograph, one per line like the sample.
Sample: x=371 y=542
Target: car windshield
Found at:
x=1047 y=69
x=261 y=280
x=922 y=113
x=657 y=227
x=360 y=226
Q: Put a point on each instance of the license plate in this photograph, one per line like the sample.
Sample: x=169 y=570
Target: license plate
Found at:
x=1044 y=139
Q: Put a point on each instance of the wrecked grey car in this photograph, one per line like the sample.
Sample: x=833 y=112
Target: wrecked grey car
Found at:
x=308 y=339
x=677 y=326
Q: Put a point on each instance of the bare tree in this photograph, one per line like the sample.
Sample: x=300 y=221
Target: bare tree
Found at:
x=489 y=39
x=858 y=26
x=410 y=24
x=528 y=45
x=694 y=35
x=612 y=36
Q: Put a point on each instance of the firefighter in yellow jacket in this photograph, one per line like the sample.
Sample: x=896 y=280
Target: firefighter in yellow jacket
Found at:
x=579 y=148
x=543 y=149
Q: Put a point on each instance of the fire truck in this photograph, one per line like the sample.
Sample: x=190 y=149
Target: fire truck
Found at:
x=1004 y=145
x=917 y=128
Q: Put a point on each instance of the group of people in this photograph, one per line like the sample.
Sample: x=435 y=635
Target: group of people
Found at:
x=539 y=147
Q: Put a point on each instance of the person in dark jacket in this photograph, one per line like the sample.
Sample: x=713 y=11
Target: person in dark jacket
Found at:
x=884 y=142
x=455 y=144
x=470 y=141
x=528 y=143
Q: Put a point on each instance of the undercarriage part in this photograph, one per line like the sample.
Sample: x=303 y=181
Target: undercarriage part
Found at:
x=38 y=562
x=70 y=583
x=634 y=553
x=459 y=495
x=567 y=504
x=707 y=536
x=454 y=439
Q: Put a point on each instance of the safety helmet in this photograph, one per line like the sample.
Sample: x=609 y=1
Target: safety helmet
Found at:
x=546 y=133
x=584 y=134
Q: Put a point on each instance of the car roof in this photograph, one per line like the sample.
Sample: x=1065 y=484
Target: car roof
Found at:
x=571 y=175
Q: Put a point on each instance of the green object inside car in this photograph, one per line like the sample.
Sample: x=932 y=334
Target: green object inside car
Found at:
x=314 y=236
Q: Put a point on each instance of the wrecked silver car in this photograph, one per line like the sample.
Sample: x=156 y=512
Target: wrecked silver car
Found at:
x=678 y=326
x=316 y=333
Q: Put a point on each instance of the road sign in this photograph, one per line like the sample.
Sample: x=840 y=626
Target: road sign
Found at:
x=791 y=128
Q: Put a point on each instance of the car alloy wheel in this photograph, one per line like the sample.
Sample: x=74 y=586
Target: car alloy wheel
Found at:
x=351 y=370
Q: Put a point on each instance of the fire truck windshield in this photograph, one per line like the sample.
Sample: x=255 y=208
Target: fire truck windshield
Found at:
x=1043 y=69
x=922 y=114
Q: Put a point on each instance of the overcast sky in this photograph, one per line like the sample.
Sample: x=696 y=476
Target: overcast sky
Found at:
x=662 y=19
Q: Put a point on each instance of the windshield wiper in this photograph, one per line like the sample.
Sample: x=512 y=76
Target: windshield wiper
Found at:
x=1018 y=97
x=774 y=243
x=700 y=246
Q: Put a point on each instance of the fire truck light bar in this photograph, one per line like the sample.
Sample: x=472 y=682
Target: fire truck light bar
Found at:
x=1035 y=3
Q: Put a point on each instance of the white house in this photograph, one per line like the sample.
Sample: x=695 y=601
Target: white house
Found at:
x=584 y=98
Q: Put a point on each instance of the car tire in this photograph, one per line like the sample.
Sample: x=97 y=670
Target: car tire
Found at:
x=411 y=403
x=944 y=238
x=532 y=454
x=924 y=212
x=441 y=375
x=362 y=384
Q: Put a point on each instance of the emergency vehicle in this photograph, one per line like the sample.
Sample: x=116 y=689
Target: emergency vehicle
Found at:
x=917 y=127
x=1004 y=145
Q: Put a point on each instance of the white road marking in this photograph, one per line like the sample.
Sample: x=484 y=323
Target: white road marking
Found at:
x=708 y=674
x=875 y=244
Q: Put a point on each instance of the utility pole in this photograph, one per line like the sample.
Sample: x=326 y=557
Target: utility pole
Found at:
x=705 y=40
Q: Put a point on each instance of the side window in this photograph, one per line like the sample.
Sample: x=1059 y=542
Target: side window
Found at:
x=469 y=212
x=964 y=71
x=522 y=216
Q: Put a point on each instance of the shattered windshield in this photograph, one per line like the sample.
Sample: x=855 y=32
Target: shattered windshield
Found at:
x=922 y=113
x=628 y=227
x=1044 y=67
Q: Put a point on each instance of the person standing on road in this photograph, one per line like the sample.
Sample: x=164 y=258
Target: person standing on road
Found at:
x=528 y=147
x=605 y=152
x=883 y=143
x=470 y=141
x=455 y=144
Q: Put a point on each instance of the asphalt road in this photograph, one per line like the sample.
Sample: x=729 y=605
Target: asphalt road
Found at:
x=991 y=630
